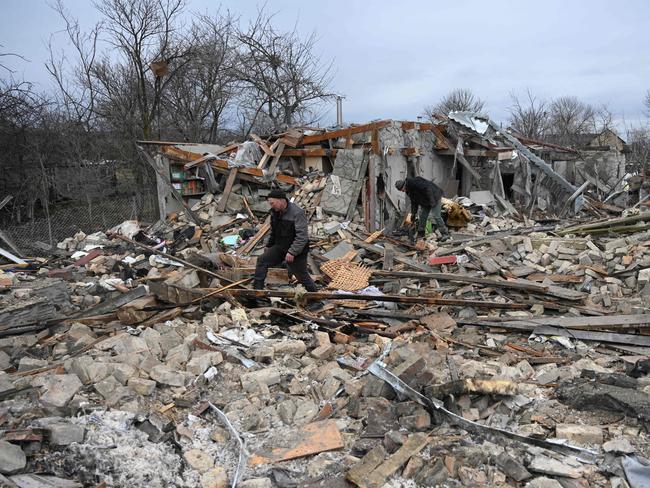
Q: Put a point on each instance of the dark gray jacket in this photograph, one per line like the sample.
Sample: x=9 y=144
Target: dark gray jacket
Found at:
x=422 y=192
x=290 y=230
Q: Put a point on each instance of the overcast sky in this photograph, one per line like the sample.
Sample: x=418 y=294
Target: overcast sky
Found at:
x=393 y=58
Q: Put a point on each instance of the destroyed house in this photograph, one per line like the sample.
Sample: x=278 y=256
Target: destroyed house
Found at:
x=466 y=154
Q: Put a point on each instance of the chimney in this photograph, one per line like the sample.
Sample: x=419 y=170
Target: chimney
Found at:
x=339 y=110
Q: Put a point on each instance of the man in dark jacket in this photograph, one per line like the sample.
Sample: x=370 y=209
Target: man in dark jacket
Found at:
x=288 y=241
x=426 y=195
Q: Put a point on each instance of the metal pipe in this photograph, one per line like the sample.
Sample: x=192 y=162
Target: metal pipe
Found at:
x=339 y=110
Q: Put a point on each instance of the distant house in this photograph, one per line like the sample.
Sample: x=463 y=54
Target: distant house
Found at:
x=601 y=161
x=607 y=140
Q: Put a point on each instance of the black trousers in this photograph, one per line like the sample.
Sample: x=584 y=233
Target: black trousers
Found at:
x=275 y=255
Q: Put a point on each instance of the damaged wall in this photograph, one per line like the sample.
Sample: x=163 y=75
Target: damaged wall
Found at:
x=425 y=161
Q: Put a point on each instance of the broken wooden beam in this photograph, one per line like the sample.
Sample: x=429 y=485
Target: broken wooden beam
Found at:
x=112 y=304
x=521 y=285
x=250 y=245
x=276 y=158
x=223 y=201
x=310 y=296
x=348 y=132
x=173 y=258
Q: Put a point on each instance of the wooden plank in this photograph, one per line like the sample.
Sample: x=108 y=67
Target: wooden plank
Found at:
x=557 y=278
x=389 y=255
x=220 y=165
x=522 y=285
x=265 y=148
x=373 y=167
x=25 y=313
x=232 y=176
x=486 y=153
x=199 y=162
x=112 y=304
x=276 y=158
x=249 y=211
x=292 y=137
x=11 y=257
x=410 y=151
x=311 y=439
x=266 y=157
x=309 y=296
x=310 y=153
x=376 y=149
x=391 y=314
x=344 y=132
x=588 y=335
x=413 y=445
x=460 y=157
x=398 y=258
x=631 y=321
x=257 y=237
x=88 y=257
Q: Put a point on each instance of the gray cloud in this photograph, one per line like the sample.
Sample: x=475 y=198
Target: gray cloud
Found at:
x=394 y=58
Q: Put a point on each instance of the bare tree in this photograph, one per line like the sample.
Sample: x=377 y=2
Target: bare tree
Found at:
x=147 y=50
x=569 y=118
x=460 y=99
x=638 y=142
x=76 y=87
x=285 y=80
x=4 y=55
x=646 y=103
x=529 y=117
x=198 y=97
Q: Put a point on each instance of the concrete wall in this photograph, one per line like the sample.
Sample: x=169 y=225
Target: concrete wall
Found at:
x=396 y=166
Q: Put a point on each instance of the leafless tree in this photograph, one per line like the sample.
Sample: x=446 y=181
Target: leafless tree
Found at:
x=147 y=49
x=198 y=97
x=646 y=103
x=285 y=81
x=76 y=87
x=6 y=55
x=459 y=99
x=638 y=142
x=530 y=116
x=569 y=118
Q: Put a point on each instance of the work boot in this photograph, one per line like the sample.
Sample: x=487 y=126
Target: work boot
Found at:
x=255 y=302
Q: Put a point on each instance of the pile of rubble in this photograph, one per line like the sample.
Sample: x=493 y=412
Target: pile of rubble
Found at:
x=516 y=354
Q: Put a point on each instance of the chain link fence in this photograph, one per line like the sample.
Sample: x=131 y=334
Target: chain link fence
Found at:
x=97 y=208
